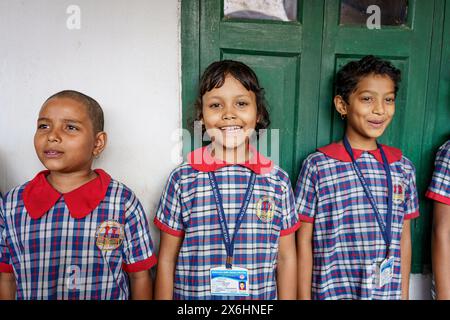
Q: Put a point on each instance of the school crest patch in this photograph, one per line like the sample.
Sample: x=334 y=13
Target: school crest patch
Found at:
x=109 y=235
x=399 y=193
x=265 y=209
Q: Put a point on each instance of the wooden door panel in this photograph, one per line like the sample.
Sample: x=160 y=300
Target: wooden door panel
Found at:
x=442 y=128
x=282 y=38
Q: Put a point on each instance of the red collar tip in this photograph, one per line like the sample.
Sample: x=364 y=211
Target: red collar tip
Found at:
x=79 y=215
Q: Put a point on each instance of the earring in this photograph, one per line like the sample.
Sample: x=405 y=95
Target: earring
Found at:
x=343 y=116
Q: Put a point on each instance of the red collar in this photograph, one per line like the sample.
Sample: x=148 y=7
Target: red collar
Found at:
x=201 y=160
x=337 y=151
x=39 y=196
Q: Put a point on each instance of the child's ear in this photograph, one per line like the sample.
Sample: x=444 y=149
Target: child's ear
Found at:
x=340 y=105
x=100 y=143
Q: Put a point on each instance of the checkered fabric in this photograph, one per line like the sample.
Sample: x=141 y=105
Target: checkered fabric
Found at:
x=57 y=256
x=187 y=208
x=347 y=240
x=4 y=267
x=439 y=188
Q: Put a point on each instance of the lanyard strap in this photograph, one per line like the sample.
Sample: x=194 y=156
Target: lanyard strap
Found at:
x=385 y=228
x=229 y=243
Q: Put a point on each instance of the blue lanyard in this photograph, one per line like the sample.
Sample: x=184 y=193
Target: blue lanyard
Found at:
x=229 y=243
x=385 y=228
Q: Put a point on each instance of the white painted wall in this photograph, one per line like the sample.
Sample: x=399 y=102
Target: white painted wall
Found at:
x=126 y=55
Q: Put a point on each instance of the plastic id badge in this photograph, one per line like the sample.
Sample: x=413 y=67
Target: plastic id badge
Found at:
x=384 y=272
x=229 y=282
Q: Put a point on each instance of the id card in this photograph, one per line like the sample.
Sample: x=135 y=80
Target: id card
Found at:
x=229 y=282
x=384 y=272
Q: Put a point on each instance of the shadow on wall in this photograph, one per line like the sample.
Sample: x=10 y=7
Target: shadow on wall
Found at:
x=2 y=173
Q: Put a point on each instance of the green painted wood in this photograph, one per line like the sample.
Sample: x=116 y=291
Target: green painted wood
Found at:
x=437 y=120
x=284 y=38
x=296 y=63
x=422 y=226
x=307 y=128
x=442 y=128
x=190 y=62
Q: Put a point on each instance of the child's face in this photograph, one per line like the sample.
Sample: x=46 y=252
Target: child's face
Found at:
x=370 y=108
x=64 y=140
x=229 y=113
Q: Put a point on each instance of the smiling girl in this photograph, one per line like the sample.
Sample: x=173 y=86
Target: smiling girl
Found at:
x=227 y=216
x=357 y=197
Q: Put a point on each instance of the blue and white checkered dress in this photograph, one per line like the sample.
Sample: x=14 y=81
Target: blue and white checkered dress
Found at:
x=187 y=209
x=347 y=241
x=57 y=256
x=439 y=188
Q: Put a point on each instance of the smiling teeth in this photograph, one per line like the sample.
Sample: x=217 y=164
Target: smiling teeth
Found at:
x=234 y=128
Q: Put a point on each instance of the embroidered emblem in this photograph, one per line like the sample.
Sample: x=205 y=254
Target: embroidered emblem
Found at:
x=399 y=193
x=265 y=209
x=109 y=235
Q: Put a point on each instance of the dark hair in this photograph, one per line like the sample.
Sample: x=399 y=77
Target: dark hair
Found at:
x=95 y=112
x=214 y=77
x=348 y=77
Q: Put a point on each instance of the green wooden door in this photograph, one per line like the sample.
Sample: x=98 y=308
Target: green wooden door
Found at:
x=296 y=62
x=442 y=127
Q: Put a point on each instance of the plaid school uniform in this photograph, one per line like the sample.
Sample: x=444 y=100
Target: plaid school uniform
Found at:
x=347 y=240
x=439 y=188
x=187 y=209
x=77 y=245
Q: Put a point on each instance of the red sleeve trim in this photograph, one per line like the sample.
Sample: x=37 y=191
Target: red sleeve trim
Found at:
x=290 y=230
x=141 y=265
x=161 y=226
x=412 y=215
x=437 y=197
x=306 y=219
x=6 y=268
